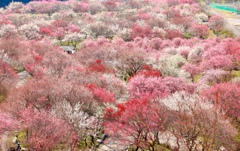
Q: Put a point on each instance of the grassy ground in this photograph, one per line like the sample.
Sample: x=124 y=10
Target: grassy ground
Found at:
x=226 y=13
x=211 y=34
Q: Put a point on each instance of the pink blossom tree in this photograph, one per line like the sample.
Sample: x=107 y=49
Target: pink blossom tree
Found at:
x=216 y=22
x=56 y=62
x=110 y=5
x=192 y=69
x=8 y=122
x=213 y=76
x=46 y=132
x=151 y=87
x=199 y=30
x=81 y=7
x=177 y=84
x=8 y=80
x=218 y=62
x=7 y=75
x=171 y=34
x=225 y=96
x=232 y=48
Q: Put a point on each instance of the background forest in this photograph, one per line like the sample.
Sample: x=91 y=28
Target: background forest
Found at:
x=145 y=75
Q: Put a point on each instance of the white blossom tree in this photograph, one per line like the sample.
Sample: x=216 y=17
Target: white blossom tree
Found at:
x=30 y=31
x=7 y=30
x=84 y=123
x=15 y=7
x=170 y=65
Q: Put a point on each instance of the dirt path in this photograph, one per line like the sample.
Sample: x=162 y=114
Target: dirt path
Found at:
x=233 y=28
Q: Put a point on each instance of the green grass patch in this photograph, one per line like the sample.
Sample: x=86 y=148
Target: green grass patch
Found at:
x=2 y=97
x=18 y=68
x=196 y=77
x=22 y=137
x=64 y=43
x=187 y=35
x=88 y=143
x=160 y=147
x=211 y=34
x=238 y=136
x=69 y=43
x=223 y=33
x=235 y=73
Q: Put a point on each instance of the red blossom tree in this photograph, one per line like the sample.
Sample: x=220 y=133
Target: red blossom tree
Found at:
x=141 y=31
x=98 y=66
x=148 y=71
x=45 y=31
x=101 y=94
x=136 y=122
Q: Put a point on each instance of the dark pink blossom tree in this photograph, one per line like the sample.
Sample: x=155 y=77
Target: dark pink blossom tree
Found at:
x=226 y=97
x=151 y=87
x=141 y=31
